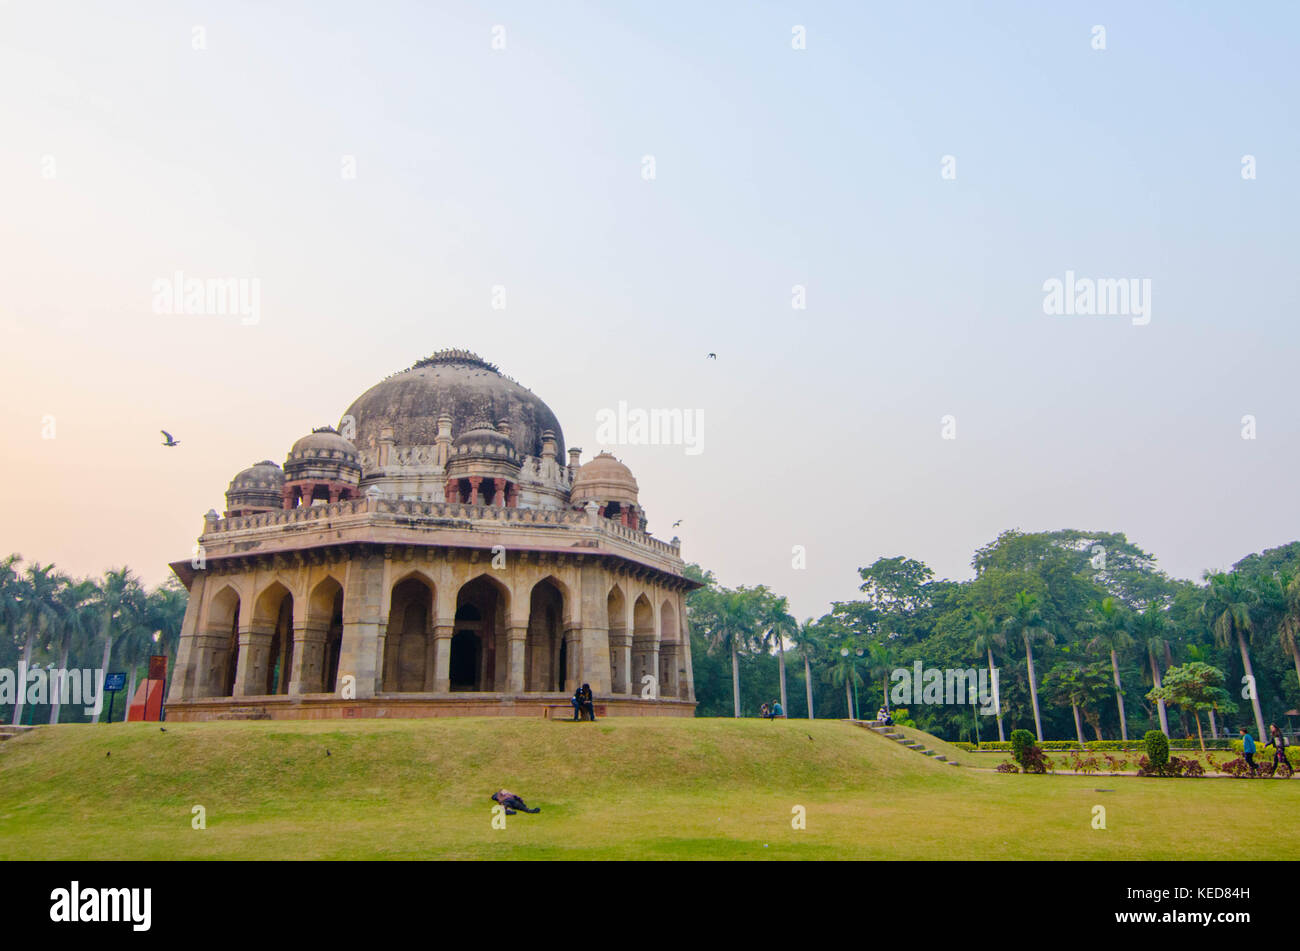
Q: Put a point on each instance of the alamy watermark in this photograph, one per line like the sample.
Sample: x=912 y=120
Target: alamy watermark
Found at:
x=1100 y=297
x=653 y=427
x=209 y=297
x=51 y=684
x=962 y=687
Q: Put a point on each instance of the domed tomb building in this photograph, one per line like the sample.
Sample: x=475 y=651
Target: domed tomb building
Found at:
x=435 y=554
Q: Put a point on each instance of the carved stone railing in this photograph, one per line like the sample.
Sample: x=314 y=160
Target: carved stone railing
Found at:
x=494 y=515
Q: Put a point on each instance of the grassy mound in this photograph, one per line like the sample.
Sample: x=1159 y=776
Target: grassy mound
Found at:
x=619 y=788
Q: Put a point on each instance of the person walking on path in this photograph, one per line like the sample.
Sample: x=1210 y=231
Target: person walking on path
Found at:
x=1279 y=749
x=1248 y=750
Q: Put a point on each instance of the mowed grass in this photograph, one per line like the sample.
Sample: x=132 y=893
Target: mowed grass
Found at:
x=617 y=789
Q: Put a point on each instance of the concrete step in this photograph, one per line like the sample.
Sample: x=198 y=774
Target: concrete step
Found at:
x=245 y=713
x=929 y=752
x=953 y=762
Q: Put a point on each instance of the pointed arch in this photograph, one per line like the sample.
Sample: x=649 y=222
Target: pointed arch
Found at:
x=620 y=642
x=549 y=660
x=325 y=614
x=408 y=643
x=222 y=625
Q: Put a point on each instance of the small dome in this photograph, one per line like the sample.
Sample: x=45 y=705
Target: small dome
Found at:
x=258 y=486
x=323 y=454
x=484 y=439
x=604 y=479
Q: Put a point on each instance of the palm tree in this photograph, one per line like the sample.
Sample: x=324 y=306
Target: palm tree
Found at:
x=36 y=593
x=1227 y=606
x=120 y=600
x=882 y=660
x=730 y=619
x=804 y=638
x=1289 y=626
x=776 y=615
x=844 y=670
x=1109 y=629
x=74 y=629
x=987 y=636
x=1149 y=629
x=1026 y=622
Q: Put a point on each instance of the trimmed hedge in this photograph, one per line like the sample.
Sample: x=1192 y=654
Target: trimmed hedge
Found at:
x=1118 y=746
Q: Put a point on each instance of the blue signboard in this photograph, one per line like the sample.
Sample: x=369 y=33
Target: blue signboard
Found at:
x=114 y=682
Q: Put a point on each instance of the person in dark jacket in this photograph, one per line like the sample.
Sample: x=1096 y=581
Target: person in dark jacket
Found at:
x=1279 y=749
x=1248 y=750
x=584 y=700
x=513 y=803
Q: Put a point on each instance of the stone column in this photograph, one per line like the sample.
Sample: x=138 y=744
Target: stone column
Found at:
x=500 y=486
x=668 y=679
x=188 y=674
x=474 y=482
x=516 y=637
x=686 y=690
x=254 y=660
x=308 y=673
x=620 y=648
x=574 y=674
x=442 y=655
x=361 y=655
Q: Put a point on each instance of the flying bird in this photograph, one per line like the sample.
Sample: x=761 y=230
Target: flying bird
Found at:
x=676 y=523
x=713 y=356
x=168 y=438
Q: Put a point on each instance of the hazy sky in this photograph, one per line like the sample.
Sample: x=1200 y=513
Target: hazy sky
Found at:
x=126 y=155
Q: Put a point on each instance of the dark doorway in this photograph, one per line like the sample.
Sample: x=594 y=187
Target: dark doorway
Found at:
x=463 y=667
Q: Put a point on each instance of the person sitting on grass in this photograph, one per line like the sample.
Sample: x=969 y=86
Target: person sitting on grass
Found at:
x=513 y=803
x=1248 y=750
x=883 y=716
x=777 y=710
x=764 y=712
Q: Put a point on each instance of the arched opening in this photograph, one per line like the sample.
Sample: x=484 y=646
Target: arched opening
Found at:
x=223 y=626
x=325 y=621
x=669 y=648
x=620 y=645
x=408 y=646
x=644 y=659
x=274 y=615
x=547 y=662
x=478 y=636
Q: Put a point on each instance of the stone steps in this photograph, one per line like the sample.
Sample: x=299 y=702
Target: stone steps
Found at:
x=245 y=713
x=875 y=726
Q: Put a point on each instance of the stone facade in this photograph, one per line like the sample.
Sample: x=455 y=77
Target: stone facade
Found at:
x=466 y=578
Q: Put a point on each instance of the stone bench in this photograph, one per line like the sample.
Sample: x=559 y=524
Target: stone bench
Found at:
x=564 y=711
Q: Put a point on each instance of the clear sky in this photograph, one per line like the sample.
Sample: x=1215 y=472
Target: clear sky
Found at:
x=126 y=155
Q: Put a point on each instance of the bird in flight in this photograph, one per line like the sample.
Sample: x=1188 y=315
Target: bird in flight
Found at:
x=713 y=356
x=676 y=523
x=168 y=437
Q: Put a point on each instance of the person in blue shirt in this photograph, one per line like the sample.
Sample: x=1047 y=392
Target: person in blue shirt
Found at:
x=1248 y=748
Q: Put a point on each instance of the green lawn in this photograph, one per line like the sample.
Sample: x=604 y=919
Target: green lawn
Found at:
x=620 y=788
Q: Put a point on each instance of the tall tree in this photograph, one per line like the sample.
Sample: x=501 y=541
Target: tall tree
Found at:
x=1108 y=629
x=37 y=609
x=1289 y=625
x=73 y=629
x=1150 y=630
x=806 y=643
x=121 y=600
x=988 y=635
x=1026 y=622
x=1228 y=605
x=1195 y=687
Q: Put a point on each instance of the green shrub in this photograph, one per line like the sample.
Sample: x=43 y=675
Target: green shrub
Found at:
x=1021 y=740
x=1157 y=745
x=968 y=747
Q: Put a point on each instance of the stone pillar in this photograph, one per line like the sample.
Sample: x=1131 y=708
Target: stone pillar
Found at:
x=686 y=689
x=442 y=656
x=516 y=638
x=254 y=660
x=334 y=493
x=668 y=661
x=188 y=674
x=575 y=669
x=288 y=497
x=308 y=672
x=512 y=495
x=620 y=649
x=361 y=655
x=453 y=490
x=474 y=482
x=500 y=497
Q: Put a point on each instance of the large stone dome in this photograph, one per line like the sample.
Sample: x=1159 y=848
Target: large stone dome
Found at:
x=465 y=387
